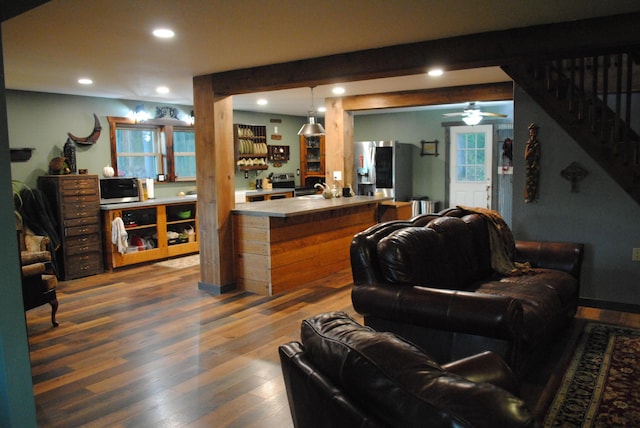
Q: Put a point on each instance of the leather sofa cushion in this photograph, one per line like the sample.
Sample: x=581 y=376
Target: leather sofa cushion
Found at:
x=399 y=384
x=441 y=255
x=543 y=296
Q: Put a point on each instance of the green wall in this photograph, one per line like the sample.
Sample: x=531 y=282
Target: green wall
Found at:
x=600 y=215
x=42 y=121
x=287 y=128
x=17 y=408
x=429 y=176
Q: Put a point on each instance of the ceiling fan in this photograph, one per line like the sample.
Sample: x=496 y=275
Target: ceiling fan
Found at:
x=472 y=115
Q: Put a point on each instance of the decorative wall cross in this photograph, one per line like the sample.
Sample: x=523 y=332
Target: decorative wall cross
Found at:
x=574 y=173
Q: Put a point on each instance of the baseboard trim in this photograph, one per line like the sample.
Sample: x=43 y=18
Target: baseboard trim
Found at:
x=610 y=306
x=216 y=289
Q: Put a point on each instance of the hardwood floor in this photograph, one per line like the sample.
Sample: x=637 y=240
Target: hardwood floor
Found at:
x=143 y=347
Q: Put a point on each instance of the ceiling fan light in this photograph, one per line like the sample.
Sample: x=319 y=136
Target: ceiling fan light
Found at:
x=472 y=119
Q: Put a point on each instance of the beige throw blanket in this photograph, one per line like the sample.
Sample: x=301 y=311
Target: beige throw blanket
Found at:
x=501 y=243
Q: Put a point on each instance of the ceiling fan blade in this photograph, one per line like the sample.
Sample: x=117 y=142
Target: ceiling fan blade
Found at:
x=484 y=113
x=454 y=114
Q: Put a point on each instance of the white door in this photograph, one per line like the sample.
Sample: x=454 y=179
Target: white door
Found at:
x=471 y=166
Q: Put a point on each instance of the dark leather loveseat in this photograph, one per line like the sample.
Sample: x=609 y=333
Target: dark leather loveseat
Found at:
x=345 y=375
x=433 y=281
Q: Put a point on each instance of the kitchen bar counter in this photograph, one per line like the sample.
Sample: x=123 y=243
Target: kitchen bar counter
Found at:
x=303 y=205
x=282 y=244
x=150 y=202
x=268 y=194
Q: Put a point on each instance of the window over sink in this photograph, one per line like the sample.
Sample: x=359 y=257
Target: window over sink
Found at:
x=153 y=147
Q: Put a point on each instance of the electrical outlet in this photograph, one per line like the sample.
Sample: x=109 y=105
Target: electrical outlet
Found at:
x=337 y=175
x=635 y=255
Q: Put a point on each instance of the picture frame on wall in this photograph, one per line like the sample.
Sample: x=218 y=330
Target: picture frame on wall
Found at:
x=429 y=148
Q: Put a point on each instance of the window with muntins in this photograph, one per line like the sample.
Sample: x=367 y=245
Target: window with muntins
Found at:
x=471 y=157
x=144 y=150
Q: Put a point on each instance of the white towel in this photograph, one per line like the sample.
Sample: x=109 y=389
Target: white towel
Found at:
x=119 y=235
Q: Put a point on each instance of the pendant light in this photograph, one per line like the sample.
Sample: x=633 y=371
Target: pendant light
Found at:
x=311 y=128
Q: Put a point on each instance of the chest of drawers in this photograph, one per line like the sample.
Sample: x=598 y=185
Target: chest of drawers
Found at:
x=75 y=200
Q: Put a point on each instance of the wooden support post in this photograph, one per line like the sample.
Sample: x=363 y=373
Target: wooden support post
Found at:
x=215 y=184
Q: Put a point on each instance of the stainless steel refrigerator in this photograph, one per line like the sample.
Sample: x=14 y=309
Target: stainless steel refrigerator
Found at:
x=383 y=167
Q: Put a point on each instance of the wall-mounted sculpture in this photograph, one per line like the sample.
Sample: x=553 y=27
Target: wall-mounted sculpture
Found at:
x=574 y=173
x=92 y=138
x=532 y=156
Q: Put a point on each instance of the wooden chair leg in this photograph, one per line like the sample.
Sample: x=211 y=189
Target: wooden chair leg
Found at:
x=54 y=309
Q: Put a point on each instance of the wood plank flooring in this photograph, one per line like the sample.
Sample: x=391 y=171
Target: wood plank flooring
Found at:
x=143 y=347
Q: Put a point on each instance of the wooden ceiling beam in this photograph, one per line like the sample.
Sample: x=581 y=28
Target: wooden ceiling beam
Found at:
x=10 y=9
x=502 y=91
x=492 y=48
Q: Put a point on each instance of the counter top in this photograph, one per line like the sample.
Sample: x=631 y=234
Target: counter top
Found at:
x=269 y=191
x=302 y=205
x=150 y=202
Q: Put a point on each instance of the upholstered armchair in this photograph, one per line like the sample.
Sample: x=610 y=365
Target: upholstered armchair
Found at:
x=38 y=279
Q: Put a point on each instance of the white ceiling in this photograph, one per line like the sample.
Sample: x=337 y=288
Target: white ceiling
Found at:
x=48 y=48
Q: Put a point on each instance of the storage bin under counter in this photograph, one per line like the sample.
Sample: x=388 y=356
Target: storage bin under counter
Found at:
x=156 y=229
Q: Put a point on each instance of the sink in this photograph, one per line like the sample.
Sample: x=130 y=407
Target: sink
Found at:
x=310 y=197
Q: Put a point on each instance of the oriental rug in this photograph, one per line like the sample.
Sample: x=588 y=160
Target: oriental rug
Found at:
x=601 y=387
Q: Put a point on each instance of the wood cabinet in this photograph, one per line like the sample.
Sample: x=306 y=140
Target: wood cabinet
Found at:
x=250 y=143
x=268 y=195
x=75 y=201
x=312 y=154
x=390 y=210
x=155 y=232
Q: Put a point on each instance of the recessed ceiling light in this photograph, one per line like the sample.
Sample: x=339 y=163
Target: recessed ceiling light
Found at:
x=338 y=90
x=435 y=72
x=262 y=102
x=162 y=90
x=163 y=33
x=85 y=81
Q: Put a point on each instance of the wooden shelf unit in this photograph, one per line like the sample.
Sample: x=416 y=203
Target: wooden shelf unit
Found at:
x=250 y=142
x=150 y=222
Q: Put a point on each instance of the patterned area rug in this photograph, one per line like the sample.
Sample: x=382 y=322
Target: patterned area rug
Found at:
x=601 y=387
x=180 y=262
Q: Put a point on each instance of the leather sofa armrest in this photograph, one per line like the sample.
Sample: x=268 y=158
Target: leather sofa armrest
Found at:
x=486 y=367
x=460 y=311
x=564 y=256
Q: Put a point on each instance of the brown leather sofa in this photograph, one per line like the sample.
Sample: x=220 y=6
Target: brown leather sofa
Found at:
x=431 y=281
x=345 y=375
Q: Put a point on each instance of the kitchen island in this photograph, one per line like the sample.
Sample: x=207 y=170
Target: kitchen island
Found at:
x=281 y=244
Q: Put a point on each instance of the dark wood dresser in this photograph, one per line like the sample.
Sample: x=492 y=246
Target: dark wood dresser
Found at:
x=75 y=200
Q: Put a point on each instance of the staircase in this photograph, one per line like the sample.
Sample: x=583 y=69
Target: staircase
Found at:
x=591 y=98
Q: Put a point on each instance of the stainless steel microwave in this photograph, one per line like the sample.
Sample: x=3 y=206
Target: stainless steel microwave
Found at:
x=118 y=190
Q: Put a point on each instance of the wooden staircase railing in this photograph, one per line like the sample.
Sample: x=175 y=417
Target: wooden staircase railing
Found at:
x=591 y=98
